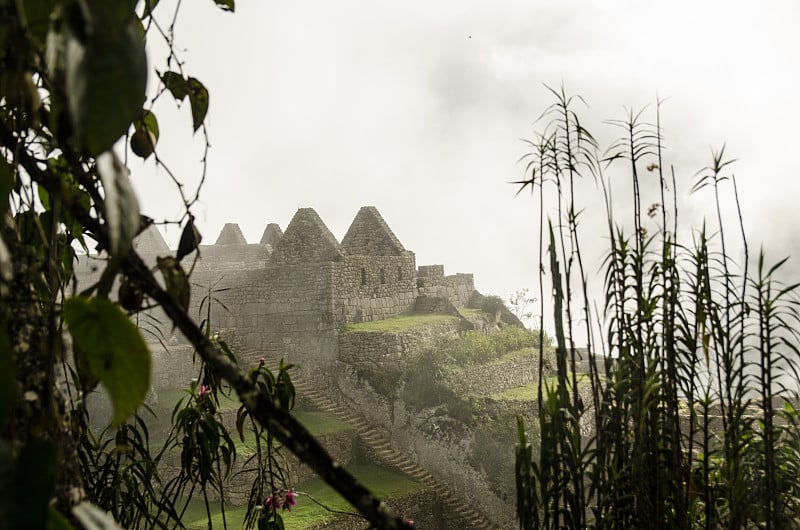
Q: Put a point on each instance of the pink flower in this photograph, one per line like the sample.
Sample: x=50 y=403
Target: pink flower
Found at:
x=290 y=500
x=272 y=503
x=410 y=522
x=203 y=392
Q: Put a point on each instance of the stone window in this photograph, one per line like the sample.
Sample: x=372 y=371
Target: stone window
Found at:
x=383 y=276
x=399 y=274
x=363 y=276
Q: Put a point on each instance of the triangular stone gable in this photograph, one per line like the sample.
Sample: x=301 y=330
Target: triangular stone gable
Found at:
x=151 y=242
x=272 y=234
x=369 y=235
x=231 y=234
x=306 y=240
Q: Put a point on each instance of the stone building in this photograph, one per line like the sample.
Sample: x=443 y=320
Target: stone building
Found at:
x=291 y=293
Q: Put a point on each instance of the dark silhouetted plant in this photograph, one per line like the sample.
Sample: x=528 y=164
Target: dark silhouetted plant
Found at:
x=690 y=420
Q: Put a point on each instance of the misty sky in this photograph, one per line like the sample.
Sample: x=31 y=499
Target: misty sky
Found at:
x=418 y=109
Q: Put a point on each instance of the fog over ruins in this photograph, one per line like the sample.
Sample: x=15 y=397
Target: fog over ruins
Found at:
x=300 y=295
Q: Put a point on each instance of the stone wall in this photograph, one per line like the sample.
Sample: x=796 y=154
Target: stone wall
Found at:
x=230 y=257
x=306 y=240
x=376 y=287
x=369 y=235
x=457 y=288
x=433 y=273
x=366 y=348
x=498 y=376
x=286 y=310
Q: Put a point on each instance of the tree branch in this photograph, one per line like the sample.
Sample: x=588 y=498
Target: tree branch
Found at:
x=278 y=421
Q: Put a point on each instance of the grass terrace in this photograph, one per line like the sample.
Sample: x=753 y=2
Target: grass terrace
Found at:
x=530 y=391
x=384 y=483
x=399 y=323
x=320 y=423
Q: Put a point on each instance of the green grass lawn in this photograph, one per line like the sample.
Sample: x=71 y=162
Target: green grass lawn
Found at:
x=517 y=354
x=530 y=391
x=320 y=423
x=469 y=312
x=400 y=323
x=384 y=483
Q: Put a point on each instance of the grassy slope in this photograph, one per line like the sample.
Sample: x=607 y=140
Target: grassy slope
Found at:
x=320 y=423
x=529 y=391
x=384 y=483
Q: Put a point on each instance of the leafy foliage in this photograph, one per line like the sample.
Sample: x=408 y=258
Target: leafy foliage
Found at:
x=113 y=350
x=473 y=347
x=691 y=422
x=73 y=80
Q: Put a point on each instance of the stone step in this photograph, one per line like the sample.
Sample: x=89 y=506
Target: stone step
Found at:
x=469 y=518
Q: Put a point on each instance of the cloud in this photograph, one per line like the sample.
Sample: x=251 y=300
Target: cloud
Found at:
x=418 y=108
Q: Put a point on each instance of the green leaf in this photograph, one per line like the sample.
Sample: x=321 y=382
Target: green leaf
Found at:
x=88 y=379
x=175 y=279
x=150 y=121
x=121 y=205
x=226 y=5
x=149 y=5
x=198 y=97
x=34 y=483
x=176 y=84
x=44 y=197
x=105 y=73
x=190 y=239
x=145 y=137
x=114 y=349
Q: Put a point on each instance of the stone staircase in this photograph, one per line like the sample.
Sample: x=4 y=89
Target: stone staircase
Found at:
x=381 y=448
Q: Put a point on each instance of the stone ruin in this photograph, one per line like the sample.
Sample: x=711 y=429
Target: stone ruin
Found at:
x=291 y=293
x=290 y=296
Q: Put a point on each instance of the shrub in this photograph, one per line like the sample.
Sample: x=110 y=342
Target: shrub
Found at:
x=688 y=431
x=474 y=347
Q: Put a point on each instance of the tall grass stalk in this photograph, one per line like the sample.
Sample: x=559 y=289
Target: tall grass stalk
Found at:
x=689 y=420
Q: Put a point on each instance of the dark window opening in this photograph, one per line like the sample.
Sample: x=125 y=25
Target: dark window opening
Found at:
x=399 y=274
x=383 y=276
x=363 y=276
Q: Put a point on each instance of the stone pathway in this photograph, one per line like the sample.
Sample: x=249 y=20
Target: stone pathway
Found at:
x=466 y=517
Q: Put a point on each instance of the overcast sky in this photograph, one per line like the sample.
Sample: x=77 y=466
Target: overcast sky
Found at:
x=418 y=109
